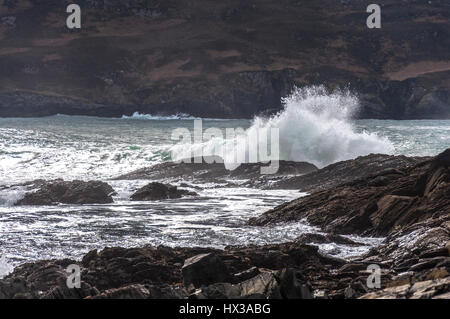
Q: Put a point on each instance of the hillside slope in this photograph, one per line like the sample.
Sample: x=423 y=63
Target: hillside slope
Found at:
x=221 y=58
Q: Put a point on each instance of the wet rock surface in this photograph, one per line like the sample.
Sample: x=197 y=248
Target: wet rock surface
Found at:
x=152 y=272
x=429 y=289
x=65 y=192
x=346 y=171
x=301 y=176
x=376 y=205
x=283 y=271
x=159 y=191
x=212 y=169
x=204 y=269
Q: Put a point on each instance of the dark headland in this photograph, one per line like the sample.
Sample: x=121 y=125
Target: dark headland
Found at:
x=221 y=59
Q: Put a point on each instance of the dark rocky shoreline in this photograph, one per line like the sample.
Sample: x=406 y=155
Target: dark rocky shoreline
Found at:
x=408 y=202
x=291 y=270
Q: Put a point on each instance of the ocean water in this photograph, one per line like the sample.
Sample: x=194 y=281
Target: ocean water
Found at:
x=314 y=127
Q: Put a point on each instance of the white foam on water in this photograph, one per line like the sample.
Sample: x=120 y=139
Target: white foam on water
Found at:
x=9 y=196
x=5 y=267
x=141 y=116
x=314 y=126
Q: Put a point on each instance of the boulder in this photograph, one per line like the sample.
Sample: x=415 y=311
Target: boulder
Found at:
x=203 y=270
x=293 y=287
x=74 y=192
x=282 y=284
x=16 y=288
x=159 y=191
x=211 y=169
x=263 y=286
x=118 y=267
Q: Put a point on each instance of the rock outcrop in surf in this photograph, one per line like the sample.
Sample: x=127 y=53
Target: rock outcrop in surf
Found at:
x=159 y=191
x=212 y=169
x=66 y=192
x=375 y=205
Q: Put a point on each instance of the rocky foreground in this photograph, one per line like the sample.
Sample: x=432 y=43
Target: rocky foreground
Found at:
x=409 y=205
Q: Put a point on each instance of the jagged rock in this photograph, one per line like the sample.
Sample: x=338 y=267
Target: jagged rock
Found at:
x=429 y=289
x=212 y=169
x=289 y=270
x=63 y=292
x=246 y=274
x=16 y=288
x=263 y=286
x=204 y=269
x=159 y=191
x=128 y=292
x=88 y=257
x=118 y=267
x=412 y=194
x=74 y=192
x=195 y=168
x=291 y=287
x=428 y=263
x=160 y=270
x=266 y=285
x=346 y=171
x=43 y=275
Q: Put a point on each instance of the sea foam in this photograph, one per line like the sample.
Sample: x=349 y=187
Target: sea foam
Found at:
x=8 y=197
x=141 y=116
x=5 y=267
x=314 y=126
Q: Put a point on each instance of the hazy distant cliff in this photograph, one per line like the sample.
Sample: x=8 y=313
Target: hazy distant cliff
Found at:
x=228 y=58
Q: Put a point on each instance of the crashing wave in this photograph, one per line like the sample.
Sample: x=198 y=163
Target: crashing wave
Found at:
x=10 y=196
x=314 y=126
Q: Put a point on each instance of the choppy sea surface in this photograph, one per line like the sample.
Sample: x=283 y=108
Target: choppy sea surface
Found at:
x=75 y=147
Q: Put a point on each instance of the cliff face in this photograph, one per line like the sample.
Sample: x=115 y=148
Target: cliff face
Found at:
x=221 y=58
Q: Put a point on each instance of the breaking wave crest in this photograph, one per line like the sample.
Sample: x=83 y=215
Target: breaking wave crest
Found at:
x=314 y=126
x=141 y=116
x=5 y=267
